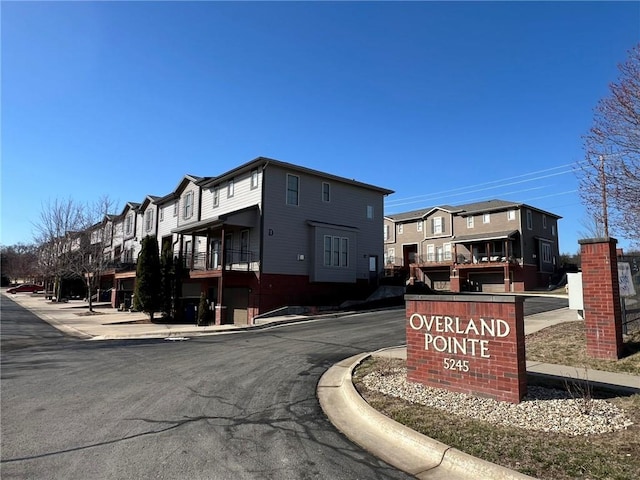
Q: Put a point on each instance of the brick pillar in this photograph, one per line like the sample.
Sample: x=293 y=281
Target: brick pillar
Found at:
x=601 y=293
x=454 y=280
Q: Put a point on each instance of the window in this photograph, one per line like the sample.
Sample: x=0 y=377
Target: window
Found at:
x=188 y=205
x=431 y=253
x=230 y=188
x=390 y=256
x=447 y=251
x=216 y=196
x=228 y=248
x=386 y=232
x=469 y=222
x=419 y=225
x=553 y=230
x=326 y=192
x=336 y=251
x=244 y=246
x=148 y=220
x=400 y=227
x=437 y=225
x=254 y=178
x=546 y=253
x=161 y=214
x=128 y=224
x=544 y=221
x=370 y=212
x=175 y=209
x=529 y=220
x=293 y=189
x=486 y=218
x=511 y=215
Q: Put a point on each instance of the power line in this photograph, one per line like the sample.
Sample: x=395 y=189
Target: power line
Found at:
x=466 y=190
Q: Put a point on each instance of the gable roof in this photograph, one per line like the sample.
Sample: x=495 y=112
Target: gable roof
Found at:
x=149 y=199
x=464 y=210
x=406 y=216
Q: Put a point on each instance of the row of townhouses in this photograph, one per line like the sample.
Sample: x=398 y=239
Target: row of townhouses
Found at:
x=270 y=234
x=261 y=236
x=489 y=246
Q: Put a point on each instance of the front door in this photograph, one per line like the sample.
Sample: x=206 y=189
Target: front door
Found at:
x=409 y=253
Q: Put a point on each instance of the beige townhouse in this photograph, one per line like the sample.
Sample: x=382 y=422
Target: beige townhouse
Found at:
x=489 y=246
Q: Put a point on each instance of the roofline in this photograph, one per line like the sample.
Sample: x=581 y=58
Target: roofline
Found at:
x=264 y=162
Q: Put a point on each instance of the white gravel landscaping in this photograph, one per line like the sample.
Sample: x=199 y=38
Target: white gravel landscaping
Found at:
x=543 y=409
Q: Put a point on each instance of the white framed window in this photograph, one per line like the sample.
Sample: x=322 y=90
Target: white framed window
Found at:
x=187 y=210
x=511 y=215
x=148 y=220
x=546 y=253
x=469 y=222
x=437 y=225
x=161 y=214
x=216 y=196
x=128 y=224
x=486 y=218
x=293 y=189
x=553 y=230
x=544 y=222
x=326 y=192
x=336 y=251
x=386 y=232
x=419 y=226
x=370 y=212
x=447 y=251
x=529 y=220
x=230 y=188
x=431 y=252
x=390 y=256
x=175 y=209
x=254 y=178
x=400 y=228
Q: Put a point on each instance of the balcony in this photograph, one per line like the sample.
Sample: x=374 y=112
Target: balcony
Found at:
x=444 y=258
x=234 y=260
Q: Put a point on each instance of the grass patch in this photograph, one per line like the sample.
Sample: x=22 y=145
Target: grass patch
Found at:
x=566 y=344
x=542 y=455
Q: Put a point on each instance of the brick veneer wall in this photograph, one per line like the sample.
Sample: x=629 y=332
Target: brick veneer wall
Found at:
x=601 y=294
x=498 y=371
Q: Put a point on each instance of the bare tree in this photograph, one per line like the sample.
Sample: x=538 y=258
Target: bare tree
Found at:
x=86 y=258
x=610 y=175
x=19 y=261
x=58 y=219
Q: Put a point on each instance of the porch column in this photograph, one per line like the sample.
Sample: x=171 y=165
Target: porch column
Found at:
x=207 y=256
x=193 y=250
x=220 y=309
x=454 y=280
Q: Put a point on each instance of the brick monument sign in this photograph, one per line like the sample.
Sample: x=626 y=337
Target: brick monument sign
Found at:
x=471 y=344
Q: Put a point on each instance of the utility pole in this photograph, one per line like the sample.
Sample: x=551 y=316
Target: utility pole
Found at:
x=603 y=185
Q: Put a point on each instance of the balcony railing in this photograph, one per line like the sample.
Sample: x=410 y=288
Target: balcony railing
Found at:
x=238 y=260
x=121 y=266
x=444 y=257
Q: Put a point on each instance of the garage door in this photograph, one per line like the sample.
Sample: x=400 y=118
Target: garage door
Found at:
x=487 y=282
x=237 y=302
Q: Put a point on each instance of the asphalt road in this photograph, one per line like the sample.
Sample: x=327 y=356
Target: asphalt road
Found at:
x=236 y=406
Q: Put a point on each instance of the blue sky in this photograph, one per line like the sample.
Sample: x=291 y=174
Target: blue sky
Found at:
x=443 y=102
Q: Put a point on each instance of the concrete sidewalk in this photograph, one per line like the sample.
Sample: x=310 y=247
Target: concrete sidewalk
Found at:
x=107 y=323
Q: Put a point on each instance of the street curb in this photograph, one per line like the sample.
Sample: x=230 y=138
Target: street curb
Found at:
x=392 y=442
